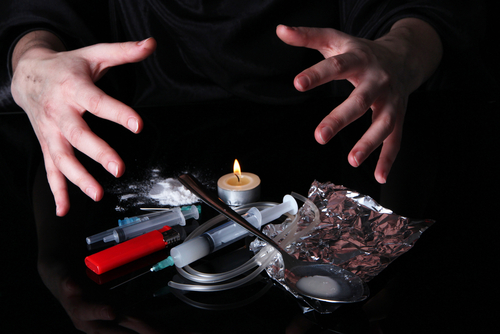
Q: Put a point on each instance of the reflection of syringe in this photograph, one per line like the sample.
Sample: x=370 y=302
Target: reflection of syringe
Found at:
x=228 y=233
x=173 y=217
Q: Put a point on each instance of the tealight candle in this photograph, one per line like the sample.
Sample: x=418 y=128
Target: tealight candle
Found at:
x=239 y=188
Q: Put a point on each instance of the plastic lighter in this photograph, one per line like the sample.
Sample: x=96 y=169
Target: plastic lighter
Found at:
x=131 y=250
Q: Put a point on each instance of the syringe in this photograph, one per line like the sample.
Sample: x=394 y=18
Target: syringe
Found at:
x=147 y=216
x=173 y=217
x=228 y=233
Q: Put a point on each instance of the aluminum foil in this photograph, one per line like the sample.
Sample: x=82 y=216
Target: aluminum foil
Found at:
x=354 y=232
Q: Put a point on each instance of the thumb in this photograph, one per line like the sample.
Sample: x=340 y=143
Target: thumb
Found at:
x=107 y=55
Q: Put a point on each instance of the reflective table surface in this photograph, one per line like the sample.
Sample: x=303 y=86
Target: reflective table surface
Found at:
x=446 y=171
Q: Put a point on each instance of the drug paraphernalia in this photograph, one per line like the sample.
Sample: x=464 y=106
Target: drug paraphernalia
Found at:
x=168 y=262
x=228 y=233
x=131 y=250
x=157 y=211
x=176 y=216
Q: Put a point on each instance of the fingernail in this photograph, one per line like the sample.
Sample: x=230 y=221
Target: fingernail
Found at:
x=383 y=179
x=143 y=41
x=326 y=134
x=91 y=192
x=358 y=158
x=113 y=168
x=303 y=82
x=133 y=125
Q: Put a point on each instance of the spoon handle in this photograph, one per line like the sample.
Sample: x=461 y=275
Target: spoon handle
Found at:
x=194 y=186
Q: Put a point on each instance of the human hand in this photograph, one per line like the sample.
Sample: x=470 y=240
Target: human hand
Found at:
x=55 y=88
x=384 y=72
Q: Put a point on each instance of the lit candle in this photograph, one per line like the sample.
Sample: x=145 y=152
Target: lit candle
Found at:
x=239 y=188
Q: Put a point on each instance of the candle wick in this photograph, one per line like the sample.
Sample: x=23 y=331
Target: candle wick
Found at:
x=237 y=177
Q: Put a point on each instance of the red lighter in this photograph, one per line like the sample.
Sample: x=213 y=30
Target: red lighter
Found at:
x=132 y=249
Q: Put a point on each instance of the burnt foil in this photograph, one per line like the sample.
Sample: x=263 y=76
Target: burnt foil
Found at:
x=354 y=232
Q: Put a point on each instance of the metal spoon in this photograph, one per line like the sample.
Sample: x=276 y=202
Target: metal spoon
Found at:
x=349 y=287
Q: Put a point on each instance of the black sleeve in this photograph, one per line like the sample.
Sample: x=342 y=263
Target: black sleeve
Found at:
x=457 y=23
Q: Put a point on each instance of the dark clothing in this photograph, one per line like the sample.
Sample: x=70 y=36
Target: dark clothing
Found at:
x=217 y=49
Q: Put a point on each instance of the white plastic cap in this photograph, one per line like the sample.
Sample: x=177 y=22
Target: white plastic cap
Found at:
x=190 y=251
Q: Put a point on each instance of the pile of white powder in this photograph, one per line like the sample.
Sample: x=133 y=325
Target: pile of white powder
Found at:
x=154 y=190
x=171 y=192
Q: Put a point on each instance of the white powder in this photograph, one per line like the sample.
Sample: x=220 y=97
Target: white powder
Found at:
x=171 y=192
x=318 y=286
x=152 y=190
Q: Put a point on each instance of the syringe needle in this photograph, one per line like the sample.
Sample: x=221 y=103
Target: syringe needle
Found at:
x=130 y=279
x=168 y=262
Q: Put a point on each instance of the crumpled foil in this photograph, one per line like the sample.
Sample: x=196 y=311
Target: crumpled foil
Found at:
x=354 y=232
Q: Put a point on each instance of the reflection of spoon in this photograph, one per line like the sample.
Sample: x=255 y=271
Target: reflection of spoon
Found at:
x=349 y=287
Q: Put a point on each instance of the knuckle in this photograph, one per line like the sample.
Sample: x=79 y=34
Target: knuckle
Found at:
x=388 y=123
x=51 y=172
x=384 y=79
x=363 y=101
x=336 y=121
x=58 y=158
x=95 y=102
x=369 y=144
x=314 y=75
x=101 y=155
x=75 y=134
x=386 y=161
x=338 y=64
x=68 y=86
x=49 y=108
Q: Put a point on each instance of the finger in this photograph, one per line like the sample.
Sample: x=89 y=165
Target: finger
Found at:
x=64 y=160
x=79 y=135
x=388 y=154
x=373 y=138
x=321 y=39
x=57 y=184
x=107 y=55
x=89 y=97
x=333 y=68
x=350 y=110
x=383 y=124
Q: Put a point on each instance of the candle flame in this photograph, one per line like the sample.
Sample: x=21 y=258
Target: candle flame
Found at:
x=237 y=169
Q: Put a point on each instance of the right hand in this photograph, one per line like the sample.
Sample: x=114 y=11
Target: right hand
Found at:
x=55 y=89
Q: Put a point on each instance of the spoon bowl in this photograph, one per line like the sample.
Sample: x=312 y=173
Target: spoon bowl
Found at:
x=324 y=282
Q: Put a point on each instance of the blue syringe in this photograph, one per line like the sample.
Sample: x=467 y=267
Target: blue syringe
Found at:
x=145 y=224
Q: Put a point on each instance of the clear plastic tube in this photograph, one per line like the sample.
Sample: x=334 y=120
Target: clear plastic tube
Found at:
x=266 y=256
x=291 y=237
x=262 y=259
x=206 y=278
x=228 y=233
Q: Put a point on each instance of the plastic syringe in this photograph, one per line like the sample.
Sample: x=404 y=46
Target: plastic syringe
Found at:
x=228 y=233
x=147 y=216
x=176 y=216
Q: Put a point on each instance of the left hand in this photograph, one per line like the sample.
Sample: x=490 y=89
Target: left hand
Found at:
x=384 y=72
